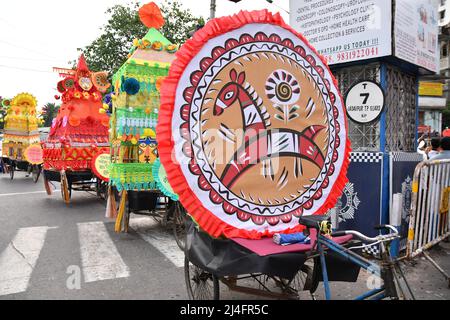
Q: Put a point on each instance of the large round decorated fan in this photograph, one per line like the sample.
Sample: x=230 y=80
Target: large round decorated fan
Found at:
x=252 y=131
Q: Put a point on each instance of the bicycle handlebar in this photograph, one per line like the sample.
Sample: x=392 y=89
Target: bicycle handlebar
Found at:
x=386 y=237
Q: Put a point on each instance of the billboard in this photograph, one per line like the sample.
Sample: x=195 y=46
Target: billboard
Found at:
x=416 y=32
x=344 y=30
x=351 y=30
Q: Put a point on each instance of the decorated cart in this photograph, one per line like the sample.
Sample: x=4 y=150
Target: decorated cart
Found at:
x=135 y=172
x=252 y=132
x=21 y=142
x=78 y=137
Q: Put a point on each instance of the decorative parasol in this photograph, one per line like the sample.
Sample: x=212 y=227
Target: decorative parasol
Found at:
x=252 y=129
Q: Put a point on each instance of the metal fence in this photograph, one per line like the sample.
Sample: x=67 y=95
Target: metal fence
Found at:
x=430 y=210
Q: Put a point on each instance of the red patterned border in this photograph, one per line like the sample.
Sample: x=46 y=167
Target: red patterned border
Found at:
x=209 y=222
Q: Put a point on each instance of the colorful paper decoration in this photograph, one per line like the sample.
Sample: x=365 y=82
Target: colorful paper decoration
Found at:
x=160 y=175
x=252 y=129
x=34 y=154
x=151 y=16
x=136 y=107
x=79 y=131
x=100 y=165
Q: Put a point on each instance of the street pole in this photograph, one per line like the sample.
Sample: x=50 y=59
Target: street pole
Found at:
x=213 y=10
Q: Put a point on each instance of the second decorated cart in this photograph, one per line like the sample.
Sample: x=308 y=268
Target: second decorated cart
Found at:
x=135 y=174
x=79 y=133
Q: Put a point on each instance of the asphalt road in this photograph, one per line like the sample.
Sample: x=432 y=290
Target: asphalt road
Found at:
x=24 y=205
x=52 y=251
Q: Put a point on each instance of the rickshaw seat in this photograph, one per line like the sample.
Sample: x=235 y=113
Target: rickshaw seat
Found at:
x=266 y=246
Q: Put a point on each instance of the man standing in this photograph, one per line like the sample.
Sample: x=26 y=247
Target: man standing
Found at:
x=433 y=151
x=445 y=146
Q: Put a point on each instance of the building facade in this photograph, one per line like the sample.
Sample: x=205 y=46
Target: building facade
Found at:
x=434 y=92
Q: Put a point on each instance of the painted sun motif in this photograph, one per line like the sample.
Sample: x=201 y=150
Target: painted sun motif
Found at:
x=282 y=88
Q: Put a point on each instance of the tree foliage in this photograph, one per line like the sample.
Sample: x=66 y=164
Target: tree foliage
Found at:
x=49 y=112
x=109 y=51
x=446 y=118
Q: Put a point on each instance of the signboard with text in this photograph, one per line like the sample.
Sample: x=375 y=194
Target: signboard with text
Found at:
x=364 y=102
x=432 y=89
x=344 y=30
x=354 y=30
x=416 y=32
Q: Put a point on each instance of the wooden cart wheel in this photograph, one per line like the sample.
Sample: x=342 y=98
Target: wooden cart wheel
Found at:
x=11 y=170
x=179 y=227
x=47 y=186
x=200 y=284
x=65 y=188
x=36 y=172
x=101 y=189
x=29 y=170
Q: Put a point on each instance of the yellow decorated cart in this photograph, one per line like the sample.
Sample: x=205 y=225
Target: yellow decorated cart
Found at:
x=21 y=142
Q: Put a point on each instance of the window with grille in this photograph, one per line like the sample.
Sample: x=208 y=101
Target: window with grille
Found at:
x=363 y=137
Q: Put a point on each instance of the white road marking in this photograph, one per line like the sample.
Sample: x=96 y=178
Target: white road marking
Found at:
x=99 y=256
x=150 y=231
x=18 y=260
x=23 y=193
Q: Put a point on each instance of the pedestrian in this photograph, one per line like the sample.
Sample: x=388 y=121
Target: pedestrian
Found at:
x=421 y=147
x=445 y=149
x=433 y=150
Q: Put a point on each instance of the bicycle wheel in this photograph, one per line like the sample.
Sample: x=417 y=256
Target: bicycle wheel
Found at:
x=179 y=228
x=302 y=283
x=36 y=173
x=200 y=284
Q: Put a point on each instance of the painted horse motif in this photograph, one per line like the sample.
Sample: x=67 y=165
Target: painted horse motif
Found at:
x=262 y=144
x=254 y=114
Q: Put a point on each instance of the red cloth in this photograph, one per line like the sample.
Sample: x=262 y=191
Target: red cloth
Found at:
x=266 y=246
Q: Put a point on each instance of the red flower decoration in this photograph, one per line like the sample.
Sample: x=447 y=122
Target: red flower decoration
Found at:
x=151 y=16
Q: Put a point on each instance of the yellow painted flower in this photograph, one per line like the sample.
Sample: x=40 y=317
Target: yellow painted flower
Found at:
x=171 y=48
x=86 y=95
x=148 y=111
x=136 y=42
x=146 y=43
x=77 y=95
x=157 y=45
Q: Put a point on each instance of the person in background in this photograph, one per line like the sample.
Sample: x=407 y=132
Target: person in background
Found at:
x=433 y=150
x=421 y=147
x=445 y=147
